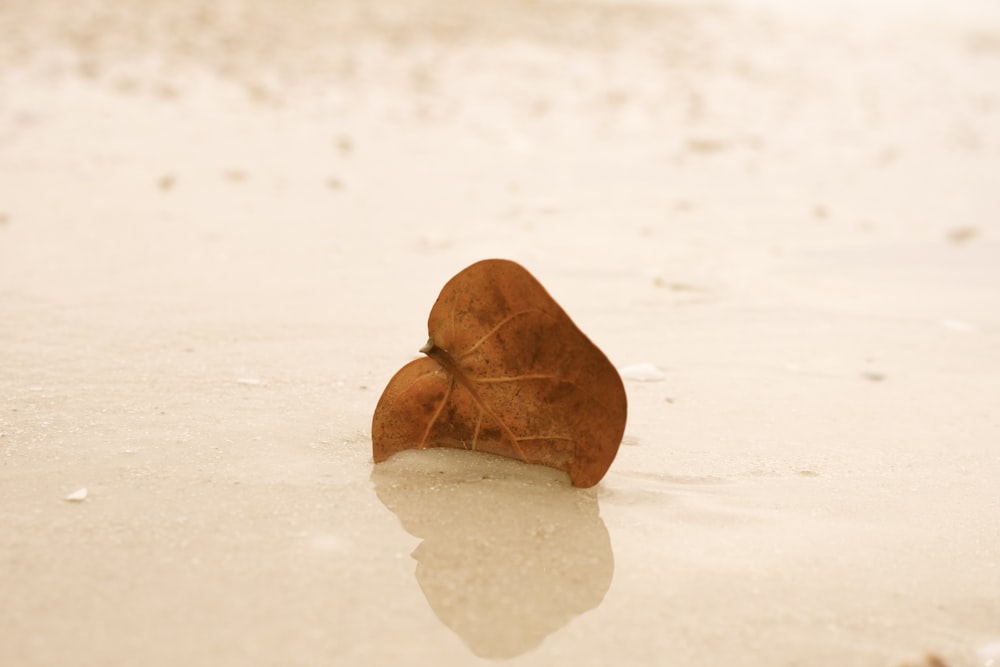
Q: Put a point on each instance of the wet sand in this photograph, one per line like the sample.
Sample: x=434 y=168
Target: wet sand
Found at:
x=222 y=227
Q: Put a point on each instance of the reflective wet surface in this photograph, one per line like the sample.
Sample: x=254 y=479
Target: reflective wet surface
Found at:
x=222 y=226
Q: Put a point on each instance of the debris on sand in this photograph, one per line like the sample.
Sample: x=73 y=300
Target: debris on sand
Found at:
x=963 y=234
x=958 y=325
x=77 y=496
x=642 y=372
x=989 y=654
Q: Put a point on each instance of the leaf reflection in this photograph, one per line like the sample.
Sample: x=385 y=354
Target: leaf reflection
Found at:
x=510 y=552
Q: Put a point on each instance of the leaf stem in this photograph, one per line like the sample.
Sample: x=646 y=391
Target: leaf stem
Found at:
x=442 y=356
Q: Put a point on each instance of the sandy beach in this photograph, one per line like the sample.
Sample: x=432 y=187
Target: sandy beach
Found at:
x=223 y=225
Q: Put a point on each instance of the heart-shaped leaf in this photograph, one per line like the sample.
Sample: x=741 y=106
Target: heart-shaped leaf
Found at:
x=506 y=372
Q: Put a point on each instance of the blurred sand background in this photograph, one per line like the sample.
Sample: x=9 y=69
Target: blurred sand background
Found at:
x=222 y=225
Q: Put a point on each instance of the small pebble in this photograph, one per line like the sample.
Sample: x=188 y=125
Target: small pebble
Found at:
x=643 y=372
x=989 y=654
x=329 y=542
x=957 y=325
x=77 y=496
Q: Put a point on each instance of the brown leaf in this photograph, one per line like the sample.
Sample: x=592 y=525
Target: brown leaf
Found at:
x=506 y=372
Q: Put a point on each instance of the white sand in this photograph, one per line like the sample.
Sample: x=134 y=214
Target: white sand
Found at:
x=222 y=228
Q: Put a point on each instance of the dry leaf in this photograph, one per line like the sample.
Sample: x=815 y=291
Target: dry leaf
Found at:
x=506 y=372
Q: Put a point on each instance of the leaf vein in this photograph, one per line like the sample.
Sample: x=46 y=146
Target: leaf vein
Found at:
x=498 y=326
x=437 y=413
x=515 y=378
